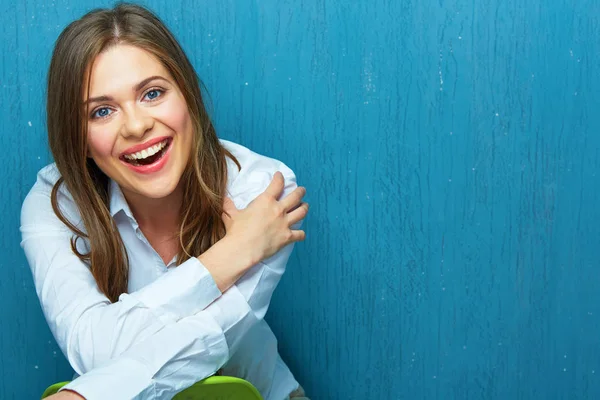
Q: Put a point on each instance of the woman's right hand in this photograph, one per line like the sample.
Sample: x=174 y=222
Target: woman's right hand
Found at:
x=255 y=233
x=266 y=225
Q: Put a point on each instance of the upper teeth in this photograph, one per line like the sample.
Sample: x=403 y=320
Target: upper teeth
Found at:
x=150 y=151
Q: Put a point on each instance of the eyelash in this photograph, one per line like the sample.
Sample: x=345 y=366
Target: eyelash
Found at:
x=160 y=91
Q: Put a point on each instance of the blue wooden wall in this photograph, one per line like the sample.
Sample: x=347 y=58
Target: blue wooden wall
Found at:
x=451 y=153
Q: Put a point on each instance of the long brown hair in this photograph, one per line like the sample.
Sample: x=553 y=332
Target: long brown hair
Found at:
x=204 y=180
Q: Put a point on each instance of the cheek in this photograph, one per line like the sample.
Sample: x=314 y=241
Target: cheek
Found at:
x=100 y=143
x=176 y=116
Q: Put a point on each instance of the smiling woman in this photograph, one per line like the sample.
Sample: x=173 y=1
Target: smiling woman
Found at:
x=132 y=94
x=155 y=247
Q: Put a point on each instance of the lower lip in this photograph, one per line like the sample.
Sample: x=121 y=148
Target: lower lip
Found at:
x=151 y=168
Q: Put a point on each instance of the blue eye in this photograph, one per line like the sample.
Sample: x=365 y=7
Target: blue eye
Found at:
x=153 y=94
x=101 y=112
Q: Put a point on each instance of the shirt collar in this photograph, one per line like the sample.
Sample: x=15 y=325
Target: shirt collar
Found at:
x=117 y=201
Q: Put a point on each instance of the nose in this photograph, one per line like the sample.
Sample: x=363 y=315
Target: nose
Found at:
x=136 y=122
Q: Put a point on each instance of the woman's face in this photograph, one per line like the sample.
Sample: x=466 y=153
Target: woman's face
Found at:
x=139 y=128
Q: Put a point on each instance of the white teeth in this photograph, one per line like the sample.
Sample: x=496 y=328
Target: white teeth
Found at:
x=150 y=151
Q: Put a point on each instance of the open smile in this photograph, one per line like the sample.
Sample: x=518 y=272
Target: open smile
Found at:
x=149 y=157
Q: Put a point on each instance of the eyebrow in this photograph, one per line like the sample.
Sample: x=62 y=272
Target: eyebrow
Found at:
x=136 y=88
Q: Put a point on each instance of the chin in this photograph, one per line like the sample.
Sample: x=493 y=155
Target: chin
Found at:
x=157 y=190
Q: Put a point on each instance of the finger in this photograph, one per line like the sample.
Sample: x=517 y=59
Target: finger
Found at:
x=298 y=214
x=292 y=200
x=297 y=236
x=276 y=186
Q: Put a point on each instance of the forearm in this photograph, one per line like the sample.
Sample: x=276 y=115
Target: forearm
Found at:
x=227 y=261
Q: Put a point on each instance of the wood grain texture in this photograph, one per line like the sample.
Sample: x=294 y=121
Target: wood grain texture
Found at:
x=451 y=154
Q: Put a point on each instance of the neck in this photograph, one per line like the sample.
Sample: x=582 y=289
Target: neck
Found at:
x=159 y=216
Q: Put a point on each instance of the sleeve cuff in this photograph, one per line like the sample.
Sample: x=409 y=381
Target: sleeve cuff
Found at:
x=233 y=314
x=181 y=292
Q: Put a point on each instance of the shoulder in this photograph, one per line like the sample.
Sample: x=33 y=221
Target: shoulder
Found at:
x=37 y=205
x=255 y=174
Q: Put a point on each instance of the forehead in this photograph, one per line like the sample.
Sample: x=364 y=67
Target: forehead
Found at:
x=121 y=67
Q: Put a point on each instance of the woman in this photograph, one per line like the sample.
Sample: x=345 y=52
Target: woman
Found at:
x=155 y=247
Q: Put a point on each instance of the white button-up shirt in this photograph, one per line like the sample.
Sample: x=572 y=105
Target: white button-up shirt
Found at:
x=173 y=327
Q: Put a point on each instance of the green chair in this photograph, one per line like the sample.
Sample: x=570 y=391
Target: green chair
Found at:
x=211 y=388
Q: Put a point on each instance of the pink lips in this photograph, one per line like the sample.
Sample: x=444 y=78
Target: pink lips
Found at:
x=143 y=146
x=150 y=168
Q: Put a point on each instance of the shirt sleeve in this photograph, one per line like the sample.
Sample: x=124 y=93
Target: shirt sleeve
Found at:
x=86 y=325
x=171 y=360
